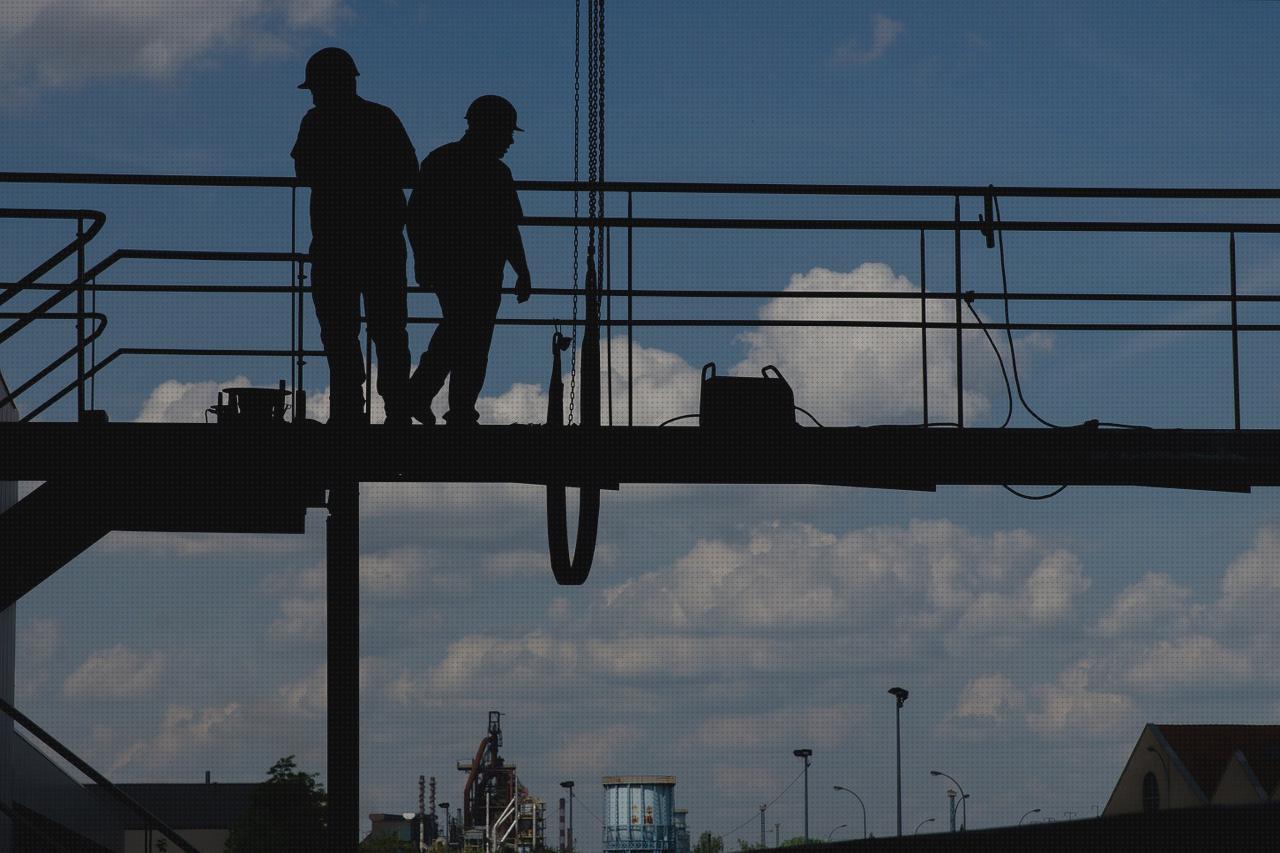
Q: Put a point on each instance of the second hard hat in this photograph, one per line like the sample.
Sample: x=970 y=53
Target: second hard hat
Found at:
x=327 y=64
x=493 y=111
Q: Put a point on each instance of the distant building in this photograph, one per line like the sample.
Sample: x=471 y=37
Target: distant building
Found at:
x=202 y=813
x=1175 y=767
x=680 y=820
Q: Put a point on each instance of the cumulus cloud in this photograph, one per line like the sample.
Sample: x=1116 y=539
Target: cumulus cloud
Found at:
x=929 y=576
x=859 y=375
x=1070 y=707
x=991 y=697
x=182 y=730
x=884 y=32
x=1189 y=662
x=116 y=673
x=50 y=44
x=1146 y=604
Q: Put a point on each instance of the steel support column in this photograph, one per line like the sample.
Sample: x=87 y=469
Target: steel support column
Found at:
x=342 y=540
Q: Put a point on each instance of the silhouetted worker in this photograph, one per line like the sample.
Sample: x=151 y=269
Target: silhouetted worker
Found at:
x=357 y=159
x=463 y=217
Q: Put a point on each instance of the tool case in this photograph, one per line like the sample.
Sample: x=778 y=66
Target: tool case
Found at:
x=746 y=402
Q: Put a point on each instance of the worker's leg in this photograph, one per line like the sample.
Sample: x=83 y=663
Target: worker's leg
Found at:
x=337 y=302
x=384 y=305
x=439 y=357
x=476 y=321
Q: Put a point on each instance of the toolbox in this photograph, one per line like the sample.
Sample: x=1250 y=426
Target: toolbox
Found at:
x=746 y=402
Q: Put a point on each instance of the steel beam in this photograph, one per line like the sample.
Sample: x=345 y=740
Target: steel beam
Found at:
x=271 y=462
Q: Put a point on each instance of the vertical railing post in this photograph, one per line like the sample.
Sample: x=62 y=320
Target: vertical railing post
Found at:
x=924 y=338
x=630 y=328
x=300 y=275
x=80 y=408
x=959 y=340
x=1235 y=333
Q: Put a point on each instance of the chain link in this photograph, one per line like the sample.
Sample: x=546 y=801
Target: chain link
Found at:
x=577 y=63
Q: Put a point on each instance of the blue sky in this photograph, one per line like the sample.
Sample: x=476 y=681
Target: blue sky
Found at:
x=723 y=627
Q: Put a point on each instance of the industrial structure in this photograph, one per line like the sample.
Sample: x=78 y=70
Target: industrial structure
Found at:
x=639 y=814
x=680 y=820
x=497 y=810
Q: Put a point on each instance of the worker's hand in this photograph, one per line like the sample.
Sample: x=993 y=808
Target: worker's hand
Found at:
x=524 y=287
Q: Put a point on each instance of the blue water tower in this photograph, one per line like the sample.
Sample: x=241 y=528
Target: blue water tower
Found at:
x=639 y=814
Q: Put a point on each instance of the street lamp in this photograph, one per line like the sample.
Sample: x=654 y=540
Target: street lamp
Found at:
x=804 y=755
x=833 y=832
x=864 y=807
x=1024 y=817
x=569 y=785
x=922 y=823
x=901 y=695
x=964 y=799
x=1168 y=785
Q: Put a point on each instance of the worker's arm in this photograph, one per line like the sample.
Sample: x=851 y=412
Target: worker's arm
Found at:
x=421 y=221
x=303 y=159
x=515 y=251
x=404 y=162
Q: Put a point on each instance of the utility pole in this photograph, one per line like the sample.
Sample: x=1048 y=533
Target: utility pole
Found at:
x=762 y=808
x=777 y=837
x=804 y=754
x=901 y=695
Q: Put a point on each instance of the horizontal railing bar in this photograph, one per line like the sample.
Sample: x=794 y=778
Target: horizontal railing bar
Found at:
x=663 y=293
x=206 y=255
x=888 y=324
x=904 y=225
x=249 y=181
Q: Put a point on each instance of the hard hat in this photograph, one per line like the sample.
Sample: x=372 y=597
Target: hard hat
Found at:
x=326 y=64
x=493 y=111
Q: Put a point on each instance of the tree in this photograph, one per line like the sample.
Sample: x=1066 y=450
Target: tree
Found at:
x=708 y=843
x=286 y=813
x=798 y=841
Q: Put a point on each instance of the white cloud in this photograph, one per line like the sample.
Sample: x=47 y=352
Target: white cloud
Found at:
x=49 y=44
x=859 y=375
x=182 y=731
x=1149 y=603
x=185 y=402
x=596 y=750
x=1069 y=707
x=310 y=696
x=885 y=32
x=821 y=726
x=991 y=697
x=114 y=673
x=392 y=573
x=1188 y=662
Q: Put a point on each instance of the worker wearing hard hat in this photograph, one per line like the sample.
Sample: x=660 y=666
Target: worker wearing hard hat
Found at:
x=357 y=159
x=463 y=217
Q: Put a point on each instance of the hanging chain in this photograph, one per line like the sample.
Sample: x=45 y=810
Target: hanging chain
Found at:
x=577 y=62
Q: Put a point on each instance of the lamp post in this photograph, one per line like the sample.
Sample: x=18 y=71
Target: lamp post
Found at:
x=964 y=799
x=569 y=785
x=901 y=695
x=1168 y=784
x=864 y=807
x=833 y=832
x=804 y=754
x=922 y=823
x=1024 y=817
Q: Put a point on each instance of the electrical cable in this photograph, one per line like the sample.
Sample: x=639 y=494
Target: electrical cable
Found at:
x=678 y=418
x=770 y=803
x=811 y=417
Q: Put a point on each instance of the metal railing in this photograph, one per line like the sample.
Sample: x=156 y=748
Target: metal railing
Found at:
x=627 y=191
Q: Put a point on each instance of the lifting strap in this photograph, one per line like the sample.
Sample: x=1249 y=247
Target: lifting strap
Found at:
x=572 y=570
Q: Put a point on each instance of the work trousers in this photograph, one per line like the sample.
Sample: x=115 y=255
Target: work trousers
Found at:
x=337 y=288
x=459 y=351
